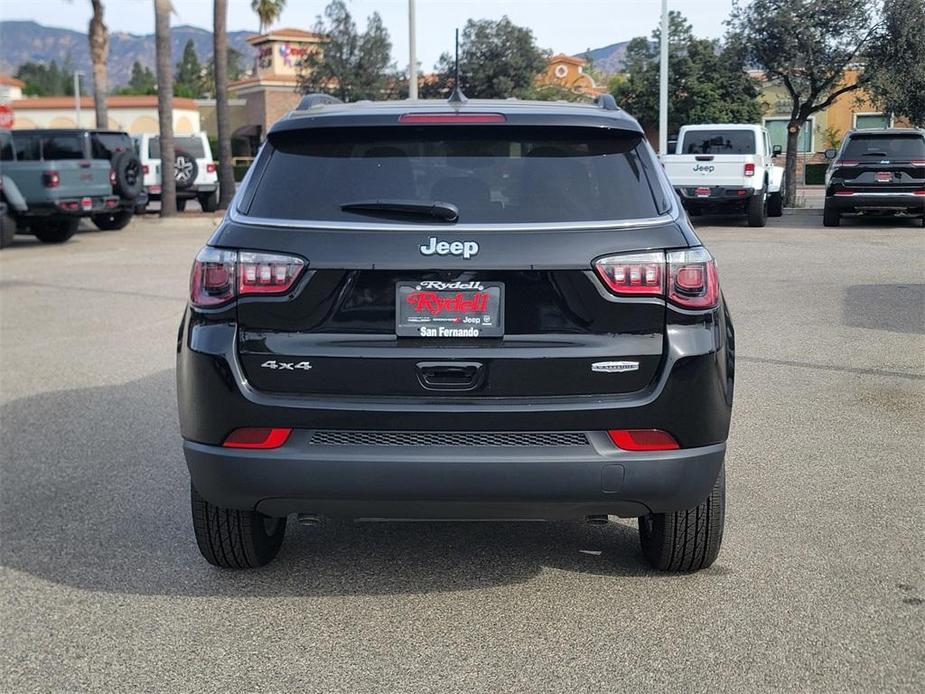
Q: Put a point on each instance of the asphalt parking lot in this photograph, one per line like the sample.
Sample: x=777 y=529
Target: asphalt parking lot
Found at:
x=819 y=586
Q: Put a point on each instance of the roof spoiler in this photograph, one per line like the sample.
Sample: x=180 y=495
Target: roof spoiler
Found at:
x=606 y=102
x=311 y=100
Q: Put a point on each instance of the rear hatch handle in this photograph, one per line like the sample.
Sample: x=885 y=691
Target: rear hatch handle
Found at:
x=450 y=375
x=704 y=157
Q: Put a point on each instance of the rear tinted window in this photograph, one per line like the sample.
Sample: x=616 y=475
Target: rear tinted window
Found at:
x=63 y=147
x=6 y=146
x=719 y=142
x=106 y=145
x=28 y=147
x=901 y=147
x=492 y=174
x=191 y=145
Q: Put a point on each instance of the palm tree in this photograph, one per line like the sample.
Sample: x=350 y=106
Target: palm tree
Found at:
x=162 y=10
x=220 y=67
x=99 y=53
x=268 y=11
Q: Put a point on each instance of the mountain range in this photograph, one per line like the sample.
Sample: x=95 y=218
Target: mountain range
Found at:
x=28 y=41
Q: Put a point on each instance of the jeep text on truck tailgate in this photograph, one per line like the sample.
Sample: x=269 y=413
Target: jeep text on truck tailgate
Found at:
x=425 y=309
x=726 y=168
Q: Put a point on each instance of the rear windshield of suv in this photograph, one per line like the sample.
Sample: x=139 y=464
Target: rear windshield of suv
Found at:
x=500 y=174
x=719 y=142
x=63 y=147
x=896 y=147
x=191 y=145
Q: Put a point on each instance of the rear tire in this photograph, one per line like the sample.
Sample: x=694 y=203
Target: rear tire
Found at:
x=830 y=217
x=686 y=541
x=7 y=230
x=233 y=539
x=758 y=210
x=55 y=230
x=112 y=221
x=181 y=204
x=776 y=205
x=208 y=201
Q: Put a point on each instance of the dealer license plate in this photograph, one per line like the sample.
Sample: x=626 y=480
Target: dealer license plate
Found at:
x=449 y=309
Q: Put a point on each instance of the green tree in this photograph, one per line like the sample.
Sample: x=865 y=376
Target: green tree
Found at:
x=351 y=65
x=47 y=80
x=806 y=45
x=897 y=61
x=234 y=70
x=142 y=81
x=268 y=11
x=707 y=81
x=188 y=80
x=497 y=59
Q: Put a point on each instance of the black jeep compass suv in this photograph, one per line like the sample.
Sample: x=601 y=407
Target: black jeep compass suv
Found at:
x=429 y=309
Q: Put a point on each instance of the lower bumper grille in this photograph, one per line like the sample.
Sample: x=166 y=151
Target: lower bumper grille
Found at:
x=505 y=439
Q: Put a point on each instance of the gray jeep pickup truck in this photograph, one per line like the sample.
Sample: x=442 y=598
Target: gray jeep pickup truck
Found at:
x=49 y=181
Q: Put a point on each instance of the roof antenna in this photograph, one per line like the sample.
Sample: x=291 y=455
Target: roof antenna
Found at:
x=457 y=97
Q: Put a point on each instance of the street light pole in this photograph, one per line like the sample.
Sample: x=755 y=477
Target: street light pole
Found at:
x=663 y=84
x=413 y=57
x=77 y=75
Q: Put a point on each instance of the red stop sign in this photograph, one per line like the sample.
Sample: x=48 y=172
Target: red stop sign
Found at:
x=6 y=116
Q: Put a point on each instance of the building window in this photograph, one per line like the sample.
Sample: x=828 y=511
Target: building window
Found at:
x=871 y=120
x=777 y=130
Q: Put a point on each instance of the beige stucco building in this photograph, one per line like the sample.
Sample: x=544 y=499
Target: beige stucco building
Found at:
x=133 y=114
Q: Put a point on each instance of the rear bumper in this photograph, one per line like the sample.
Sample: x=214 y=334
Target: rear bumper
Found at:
x=545 y=483
x=718 y=195
x=74 y=207
x=881 y=200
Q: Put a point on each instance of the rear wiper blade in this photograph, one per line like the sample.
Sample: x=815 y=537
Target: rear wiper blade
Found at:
x=443 y=211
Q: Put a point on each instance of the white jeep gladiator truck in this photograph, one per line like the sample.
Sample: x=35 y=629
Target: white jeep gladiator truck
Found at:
x=726 y=168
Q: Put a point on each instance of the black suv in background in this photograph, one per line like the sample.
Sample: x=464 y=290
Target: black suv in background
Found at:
x=126 y=177
x=425 y=309
x=877 y=171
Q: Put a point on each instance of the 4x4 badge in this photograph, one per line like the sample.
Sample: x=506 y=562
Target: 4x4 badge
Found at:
x=614 y=367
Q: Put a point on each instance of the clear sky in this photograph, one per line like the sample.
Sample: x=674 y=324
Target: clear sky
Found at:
x=564 y=26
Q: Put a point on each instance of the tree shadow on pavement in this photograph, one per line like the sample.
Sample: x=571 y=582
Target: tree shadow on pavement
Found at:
x=95 y=496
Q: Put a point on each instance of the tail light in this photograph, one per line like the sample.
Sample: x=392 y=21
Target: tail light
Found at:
x=643 y=440
x=749 y=169
x=51 y=179
x=145 y=169
x=257 y=437
x=686 y=278
x=265 y=273
x=219 y=275
x=112 y=178
x=633 y=274
x=210 y=167
x=693 y=281
x=847 y=162
x=918 y=162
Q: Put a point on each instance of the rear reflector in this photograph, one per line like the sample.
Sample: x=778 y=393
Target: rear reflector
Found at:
x=919 y=192
x=643 y=440
x=451 y=118
x=843 y=193
x=257 y=437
